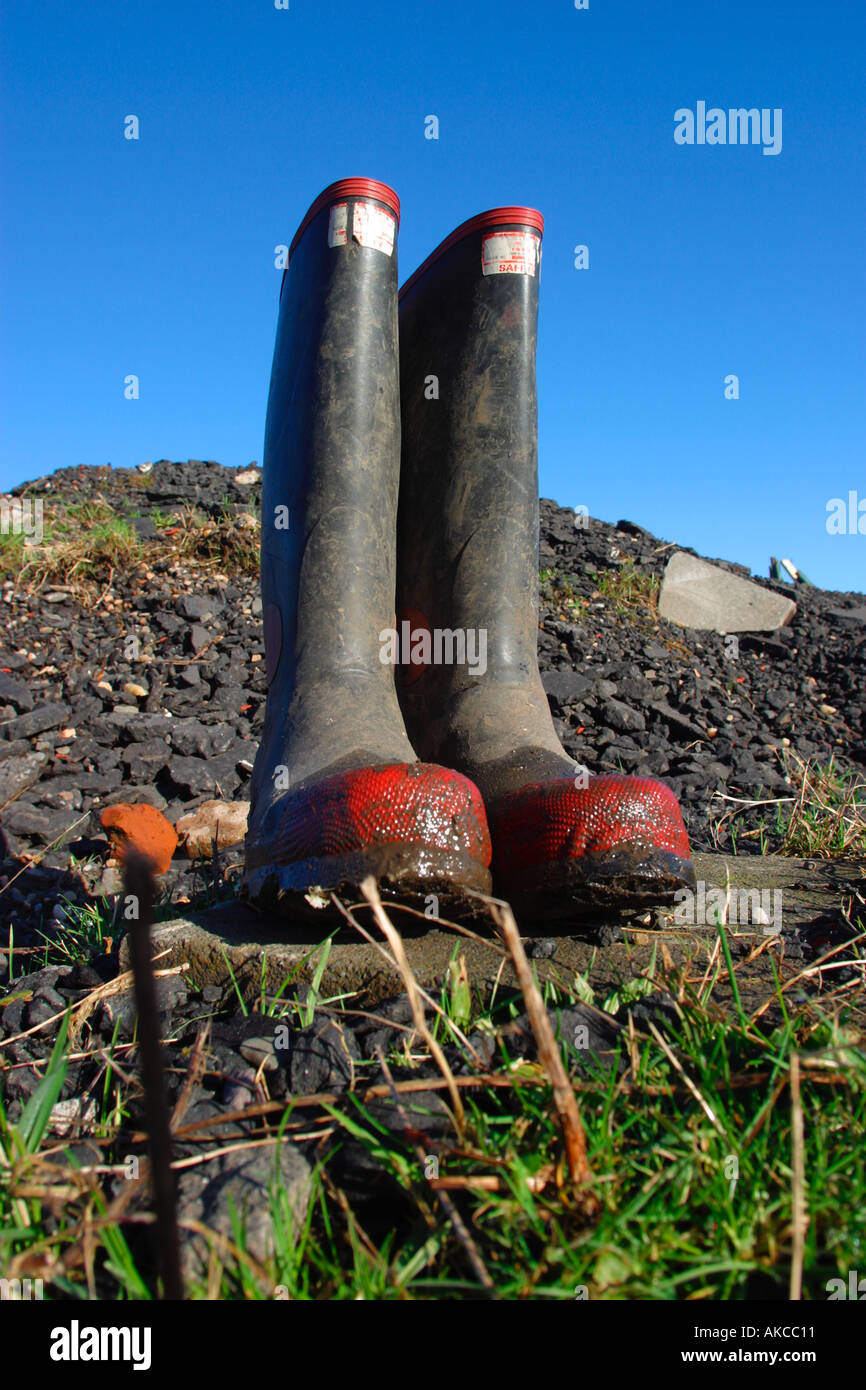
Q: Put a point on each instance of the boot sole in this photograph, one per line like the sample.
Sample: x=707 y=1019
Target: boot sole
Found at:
x=410 y=875
x=629 y=877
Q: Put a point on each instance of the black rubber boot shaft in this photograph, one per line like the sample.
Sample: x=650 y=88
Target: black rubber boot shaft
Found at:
x=468 y=516
x=331 y=467
x=467 y=562
x=337 y=791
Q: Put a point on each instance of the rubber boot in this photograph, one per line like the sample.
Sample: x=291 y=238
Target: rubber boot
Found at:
x=468 y=563
x=337 y=791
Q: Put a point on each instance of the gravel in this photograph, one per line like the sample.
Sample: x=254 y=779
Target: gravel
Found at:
x=708 y=714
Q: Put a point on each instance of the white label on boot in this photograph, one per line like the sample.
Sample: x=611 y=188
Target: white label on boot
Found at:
x=510 y=253
x=337 y=224
x=374 y=226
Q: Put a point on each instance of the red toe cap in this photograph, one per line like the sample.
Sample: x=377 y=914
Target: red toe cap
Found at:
x=399 y=803
x=562 y=820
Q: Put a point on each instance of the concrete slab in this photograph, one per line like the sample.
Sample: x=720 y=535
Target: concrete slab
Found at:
x=699 y=595
x=231 y=940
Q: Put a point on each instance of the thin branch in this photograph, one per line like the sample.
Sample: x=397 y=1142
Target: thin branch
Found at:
x=799 y=1219
x=549 y=1054
x=395 y=941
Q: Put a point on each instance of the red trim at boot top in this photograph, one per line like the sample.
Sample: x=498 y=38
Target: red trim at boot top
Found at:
x=494 y=217
x=348 y=188
x=345 y=188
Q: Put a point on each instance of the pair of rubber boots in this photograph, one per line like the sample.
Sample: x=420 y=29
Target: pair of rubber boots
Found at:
x=416 y=743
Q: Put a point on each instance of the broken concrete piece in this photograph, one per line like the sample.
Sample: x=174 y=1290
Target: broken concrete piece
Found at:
x=248 y=476
x=225 y=821
x=696 y=594
x=232 y=947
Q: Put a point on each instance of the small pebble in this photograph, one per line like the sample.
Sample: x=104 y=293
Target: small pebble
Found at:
x=542 y=948
x=609 y=933
x=259 y=1052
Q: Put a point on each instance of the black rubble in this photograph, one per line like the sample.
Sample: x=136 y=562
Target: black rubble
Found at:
x=154 y=690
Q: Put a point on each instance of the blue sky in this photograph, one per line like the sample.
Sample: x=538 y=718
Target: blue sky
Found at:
x=156 y=256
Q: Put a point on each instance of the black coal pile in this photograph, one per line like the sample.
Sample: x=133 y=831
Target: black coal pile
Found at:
x=707 y=713
x=147 y=684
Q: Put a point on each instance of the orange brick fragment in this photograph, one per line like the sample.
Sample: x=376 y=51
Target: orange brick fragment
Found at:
x=145 y=829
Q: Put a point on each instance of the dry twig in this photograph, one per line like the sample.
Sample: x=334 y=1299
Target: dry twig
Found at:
x=549 y=1055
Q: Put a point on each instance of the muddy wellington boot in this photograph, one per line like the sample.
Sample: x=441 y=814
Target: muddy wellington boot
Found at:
x=472 y=694
x=337 y=790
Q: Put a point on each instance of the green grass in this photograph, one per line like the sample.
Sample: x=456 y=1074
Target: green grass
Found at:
x=84 y=542
x=822 y=817
x=81 y=542
x=673 y=1222
x=690 y=1141
x=828 y=818
x=85 y=931
x=630 y=590
x=217 y=544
